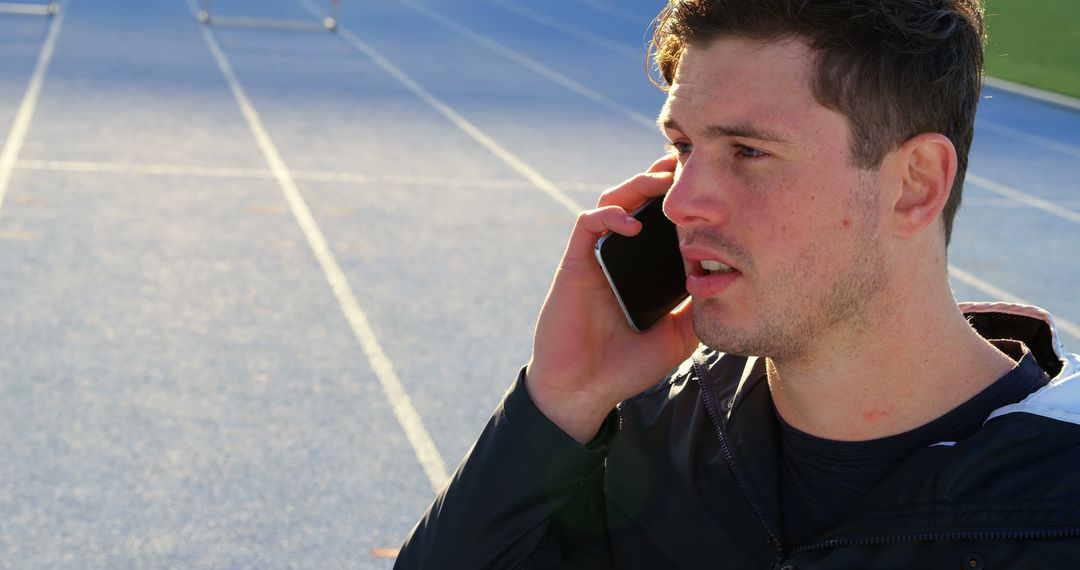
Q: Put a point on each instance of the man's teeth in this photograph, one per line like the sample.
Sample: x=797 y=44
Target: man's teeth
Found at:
x=711 y=265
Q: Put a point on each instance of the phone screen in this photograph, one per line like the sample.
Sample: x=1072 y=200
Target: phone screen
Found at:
x=645 y=271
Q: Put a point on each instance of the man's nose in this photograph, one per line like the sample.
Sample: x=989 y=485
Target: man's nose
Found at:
x=697 y=197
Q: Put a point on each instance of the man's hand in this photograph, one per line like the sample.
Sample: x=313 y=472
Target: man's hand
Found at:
x=585 y=357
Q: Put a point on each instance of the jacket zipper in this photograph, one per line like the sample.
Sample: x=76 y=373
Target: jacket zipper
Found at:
x=943 y=535
x=699 y=371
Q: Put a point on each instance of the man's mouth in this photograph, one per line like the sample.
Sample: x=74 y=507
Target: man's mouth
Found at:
x=706 y=275
x=713 y=267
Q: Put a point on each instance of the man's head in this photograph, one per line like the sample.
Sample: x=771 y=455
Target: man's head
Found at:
x=893 y=68
x=818 y=153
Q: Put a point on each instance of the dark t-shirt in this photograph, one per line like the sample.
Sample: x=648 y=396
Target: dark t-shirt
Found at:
x=821 y=479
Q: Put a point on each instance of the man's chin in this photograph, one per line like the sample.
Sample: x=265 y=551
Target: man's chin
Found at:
x=719 y=335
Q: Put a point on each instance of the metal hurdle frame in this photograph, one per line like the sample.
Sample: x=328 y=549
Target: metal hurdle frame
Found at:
x=207 y=18
x=50 y=9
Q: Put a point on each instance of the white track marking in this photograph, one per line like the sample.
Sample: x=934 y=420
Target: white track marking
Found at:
x=24 y=9
x=999 y=294
x=974 y=202
x=20 y=235
x=17 y=135
x=426 y=181
x=528 y=172
x=267 y=24
x=85 y=166
x=95 y=167
x=262 y=174
x=637 y=55
x=1033 y=92
x=532 y=65
x=406 y=414
x=1021 y=136
x=1001 y=202
x=615 y=11
x=1026 y=199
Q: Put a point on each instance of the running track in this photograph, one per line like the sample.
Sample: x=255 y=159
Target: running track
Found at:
x=263 y=288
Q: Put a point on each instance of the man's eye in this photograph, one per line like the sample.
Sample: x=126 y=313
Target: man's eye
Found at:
x=680 y=148
x=748 y=152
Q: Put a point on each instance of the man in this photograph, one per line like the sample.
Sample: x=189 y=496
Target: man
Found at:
x=836 y=415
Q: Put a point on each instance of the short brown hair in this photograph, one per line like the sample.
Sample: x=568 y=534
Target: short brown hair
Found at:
x=894 y=68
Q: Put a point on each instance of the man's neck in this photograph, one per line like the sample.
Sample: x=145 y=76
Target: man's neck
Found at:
x=902 y=370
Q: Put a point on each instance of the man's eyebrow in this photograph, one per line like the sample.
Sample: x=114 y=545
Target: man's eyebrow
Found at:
x=741 y=130
x=665 y=122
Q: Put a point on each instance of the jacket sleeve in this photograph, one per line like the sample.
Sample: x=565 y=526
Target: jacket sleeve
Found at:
x=527 y=495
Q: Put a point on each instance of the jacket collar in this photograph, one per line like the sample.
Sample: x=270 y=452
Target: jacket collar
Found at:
x=1060 y=399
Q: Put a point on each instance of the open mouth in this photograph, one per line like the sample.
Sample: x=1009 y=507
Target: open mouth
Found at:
x=709 y=277
x=713 y=267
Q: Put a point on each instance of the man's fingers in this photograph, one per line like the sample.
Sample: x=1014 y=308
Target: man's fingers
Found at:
x=633 y=192
x=665 y=164
x=609 y=218
x=654 y=182
x=579 y=258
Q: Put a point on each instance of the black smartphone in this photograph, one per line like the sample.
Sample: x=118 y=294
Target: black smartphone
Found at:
x=645 y=271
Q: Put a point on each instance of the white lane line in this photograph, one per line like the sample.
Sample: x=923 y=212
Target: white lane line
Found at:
x=17 y=135
x=999 y=294
x=1021 y=136
x=1033 y=92
x=262 y=174
x=26 y=9
x=425 y=181
x=96 y=167
x=1001 y=202
x=531 y=64
x=87 y=166
x=528 y=172
x=20 y=235
x=615 y=11
x=406 y=414
x=1026 y=199
x=637 y=55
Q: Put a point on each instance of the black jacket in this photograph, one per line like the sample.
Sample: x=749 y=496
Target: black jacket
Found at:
x=685 y=475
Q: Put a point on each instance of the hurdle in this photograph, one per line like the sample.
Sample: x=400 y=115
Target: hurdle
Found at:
x=28 y=9
x=207 y=18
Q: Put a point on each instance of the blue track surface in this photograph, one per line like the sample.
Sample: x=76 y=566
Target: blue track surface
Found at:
x=181 y=384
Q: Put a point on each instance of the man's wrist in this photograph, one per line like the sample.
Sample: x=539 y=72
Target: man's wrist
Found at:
x=580 y=415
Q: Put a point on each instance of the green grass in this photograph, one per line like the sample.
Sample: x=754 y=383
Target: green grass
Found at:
x=1035 y=42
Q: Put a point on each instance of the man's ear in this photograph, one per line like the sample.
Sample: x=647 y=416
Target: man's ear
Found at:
x=926 y=165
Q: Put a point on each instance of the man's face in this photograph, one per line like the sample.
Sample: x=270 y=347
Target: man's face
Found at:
x=765 y=187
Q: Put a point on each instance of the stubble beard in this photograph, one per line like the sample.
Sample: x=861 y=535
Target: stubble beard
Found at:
x=787 y=323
